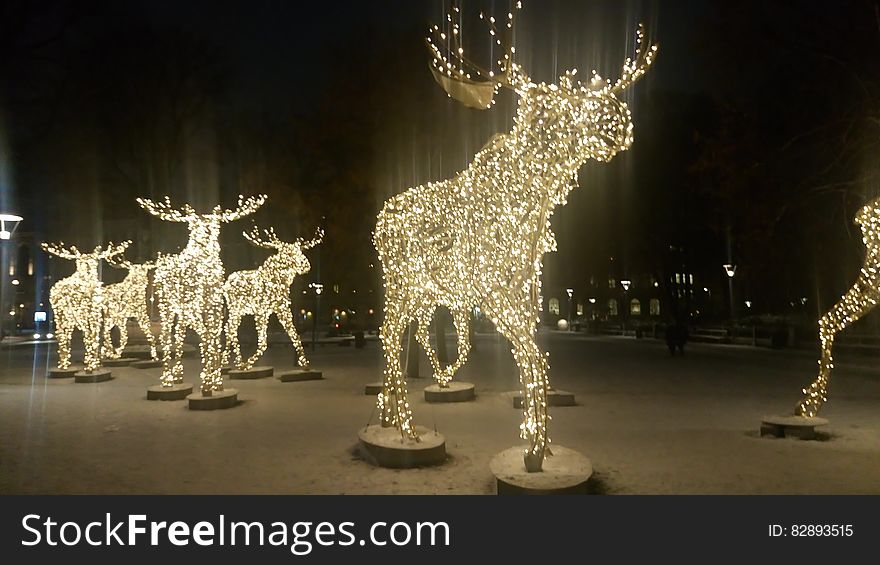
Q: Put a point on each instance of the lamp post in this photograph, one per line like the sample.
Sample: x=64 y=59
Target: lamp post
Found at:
x=730 y=270
x=319 y=288
x=570 y=292
x=625 y=283
x=8 y=224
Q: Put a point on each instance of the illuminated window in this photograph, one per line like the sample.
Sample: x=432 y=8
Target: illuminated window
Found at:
x=691 y=278
x=554 y=306
x=580 y=309
x=612 y=282
x=654 y=307
x=11 y=268
x=678 y=278
x=612 y=307
x=635 y=307
x=30 y=268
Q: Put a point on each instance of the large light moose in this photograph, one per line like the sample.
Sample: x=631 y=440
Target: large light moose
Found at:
x=76 y=301
x=860 y=299
x=189 y=287
x=479 y=237
x=265 y=291
x=127 y=299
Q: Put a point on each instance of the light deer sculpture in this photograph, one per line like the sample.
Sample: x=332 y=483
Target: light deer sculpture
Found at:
x=125 y=300
x=860 y=299
x=77 y=301
x=189 y=288
x=479 y=237
x=265 y=291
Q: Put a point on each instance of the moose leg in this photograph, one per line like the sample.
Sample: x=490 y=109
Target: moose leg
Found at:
x=423 y=336
x=91 y=329
x=211 y=345
x=232 y=345
x=123 y=337
x=262 y=323
x=65 y=334
x=143 y=320
x=857 y=301
x=107 y=345
x=517 y=324
x=286 y=319
x=392 y=401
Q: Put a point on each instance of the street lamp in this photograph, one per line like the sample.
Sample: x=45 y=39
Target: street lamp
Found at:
x=730 y=270
x=625 y=283
x=570 y=292
x=8 y=223
x=319 y=288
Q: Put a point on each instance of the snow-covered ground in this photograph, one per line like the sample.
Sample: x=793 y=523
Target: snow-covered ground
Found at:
x=649 y=423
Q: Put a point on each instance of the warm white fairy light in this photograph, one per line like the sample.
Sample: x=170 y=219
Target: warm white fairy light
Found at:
x=126 y=300
x=479 y=238
x=76 y=301
x=265 y=291
x=861 y=298
x=189 y=289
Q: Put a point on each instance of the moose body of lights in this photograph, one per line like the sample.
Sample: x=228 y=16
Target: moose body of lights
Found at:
x=479 y=237
x=855 y=303
x=126 y=300
x=77 y=301
x=189 y=289
x=265 y=291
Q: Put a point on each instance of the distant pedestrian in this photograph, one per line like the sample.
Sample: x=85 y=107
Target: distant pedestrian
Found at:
x=681 y=336
x=671 y=337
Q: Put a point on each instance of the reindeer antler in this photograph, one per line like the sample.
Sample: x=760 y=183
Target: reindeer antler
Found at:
x=319 y=236
x=165 y=211
x=111 y=250
x=464 y=80
x=59 y=250
x=635 y=67
x=254 y=237
x=246 y=207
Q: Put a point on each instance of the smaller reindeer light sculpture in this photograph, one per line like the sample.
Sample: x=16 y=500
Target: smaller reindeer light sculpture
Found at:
x=125 y=300
x=77 y=301
x=860 y=299
x=479 y=238
x=265 y=291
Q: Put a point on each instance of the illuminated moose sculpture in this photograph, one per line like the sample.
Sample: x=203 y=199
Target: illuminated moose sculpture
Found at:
x=124 y=300
x=76 y=301
x=479 y=237
x=265 y=291
x=189 y=288
x=858 y=300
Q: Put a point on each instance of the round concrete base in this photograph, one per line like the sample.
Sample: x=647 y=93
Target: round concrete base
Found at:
x=454 y=392
x=225 y=370
x=372 y=389
x=56 y=373
x=554 y=398
x=219 y=400
x=791 y=426
x=173 y=392
x=386 y=448
x=297 y=375
x=96 y=376
x=252 y=373
x=564 y=472
x=120 y=362
x=146 y=364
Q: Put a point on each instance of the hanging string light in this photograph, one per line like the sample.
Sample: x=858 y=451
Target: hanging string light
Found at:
x=77 y=301
x=126 y=300
x=189 y=288
x=265 y=291
x=479 y=237
x=858 y=300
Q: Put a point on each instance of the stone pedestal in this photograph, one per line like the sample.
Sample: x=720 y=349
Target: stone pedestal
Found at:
x=297 y=375
x=146 y=364
x=372 y=389
x=56 y=373
x=120 y=362
x=564 y=472
x=791 y=426
x=386 y=448
x=554 y=398
x=219 y=400
x=173 y=392
x=97 y=376
x=253 y=373
x=454 y=392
